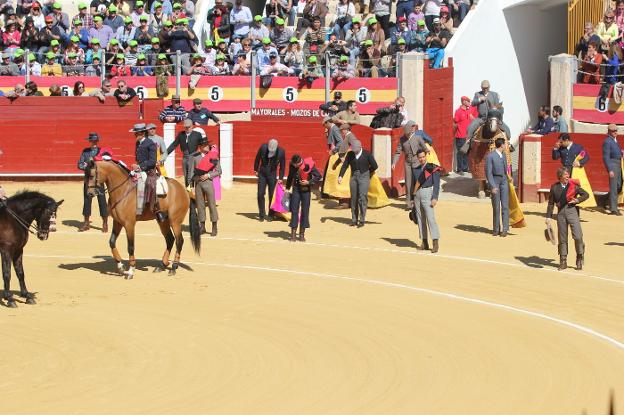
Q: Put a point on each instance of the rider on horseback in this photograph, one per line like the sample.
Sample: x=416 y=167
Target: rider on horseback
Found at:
x=485 y=101
x=146 y=171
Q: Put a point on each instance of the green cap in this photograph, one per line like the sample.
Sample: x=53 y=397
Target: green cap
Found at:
x=97 y=19
x=401 y=41
x=221 y=41
x=177 y=6
x=162 y=56
x=120 y=56
x=112 y=8
x=96 y=56
x=279 y=21
x=185 y=21
x=95 y=41
x=312 y=59
x=356 y=20
x=114 y=42
x=54 y=42
x=81 y=6
x=179 y=21
x=141 y=57
x=421 y=22
x=133 y=43
x=75 y=39
x=50 y=55
x=372 y=20
x=294 y=40
x=157 y=4
x=368 y=42
x=143 y=17
x=31 y=57
x=56 y=5
x=220 y=57
x=258 y=18
x=197 y=56
x=71 y=55
x=128 y=20
x=343 y=58
x=168 y=23
x=155 y=40
x=266 y=41
x=77 y=22
x=139 y=3
x=18 y=52
x=208 y=43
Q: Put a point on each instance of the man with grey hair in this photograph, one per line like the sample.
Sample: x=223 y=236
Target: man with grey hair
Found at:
x=334 y=138
x=612 y=159
x=485 y=100
x=187 y=140
x=567 y=194
x=363 y=165
x=409 y=144
x=268 y=158
x=103 y=92
x=160 y=144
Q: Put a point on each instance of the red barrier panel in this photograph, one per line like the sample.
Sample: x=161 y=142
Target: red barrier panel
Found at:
x=233 y=93
x=438 y=112
x=46 y=135
x=596 y=172
x=587 y=106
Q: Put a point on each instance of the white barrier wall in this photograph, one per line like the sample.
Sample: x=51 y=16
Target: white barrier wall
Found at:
x=226 y=154
x=508 y=42
x=169 y=137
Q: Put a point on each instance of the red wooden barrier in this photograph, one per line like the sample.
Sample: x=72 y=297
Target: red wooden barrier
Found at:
x=438 y=112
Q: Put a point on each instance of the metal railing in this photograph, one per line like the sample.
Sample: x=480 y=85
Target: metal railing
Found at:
x=580 y=12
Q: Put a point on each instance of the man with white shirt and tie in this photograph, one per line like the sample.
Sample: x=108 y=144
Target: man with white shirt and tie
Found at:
x=496 y=175
x=612 y=158
x=567 y=194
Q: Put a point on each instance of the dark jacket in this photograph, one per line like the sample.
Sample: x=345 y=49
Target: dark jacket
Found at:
x=224 y=29
x=366 y=162
x=567 y=156
x=389 y=117
x=427 y=176
x=263 y=161
x=201 y=117
x=86 y=155
x=294 y=178
x=558 y=197
x=146 y=154
x=610 y=151
x=187 y=145
x=342 y=106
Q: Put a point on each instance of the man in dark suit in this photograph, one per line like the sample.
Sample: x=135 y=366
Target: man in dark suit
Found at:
x=567 y=194
x=187 y=140
x=567 y=151
x=268 y=158
x=145 y=154
x=362 y=165
x=86 y=155
x=612 y=159
x=496 y=175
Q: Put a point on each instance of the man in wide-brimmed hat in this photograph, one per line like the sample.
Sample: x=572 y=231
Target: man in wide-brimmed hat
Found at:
x=146 y=163
x=174 y=112
x=86 y=156
x=204 y=168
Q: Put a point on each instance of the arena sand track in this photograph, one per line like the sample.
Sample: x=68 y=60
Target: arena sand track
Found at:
x=352 y=322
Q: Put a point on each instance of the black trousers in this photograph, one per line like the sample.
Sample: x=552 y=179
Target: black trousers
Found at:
x=265 y=178
x=384 y=21
x=86 y=203
x=300 y=199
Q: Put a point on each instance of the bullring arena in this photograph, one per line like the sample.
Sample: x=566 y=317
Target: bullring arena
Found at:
x=352 y=321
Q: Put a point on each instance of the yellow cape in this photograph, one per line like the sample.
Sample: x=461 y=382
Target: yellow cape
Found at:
x=578 y=173
x=516 y=217
x=621 y=196
x=377 y=197
x=161 y=167
x=432 y=156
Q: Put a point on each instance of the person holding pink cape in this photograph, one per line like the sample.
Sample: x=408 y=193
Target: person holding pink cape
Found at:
x=302 y=175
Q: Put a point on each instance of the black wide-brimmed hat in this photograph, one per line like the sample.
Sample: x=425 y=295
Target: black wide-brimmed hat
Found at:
x=93 y=137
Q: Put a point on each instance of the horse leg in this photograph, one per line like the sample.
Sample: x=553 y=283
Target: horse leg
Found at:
x=6 y=276
x=112 y=242
x=132 y=260
x=18 y=266
x=481 y=193
x=179 y=242
x=165 y=228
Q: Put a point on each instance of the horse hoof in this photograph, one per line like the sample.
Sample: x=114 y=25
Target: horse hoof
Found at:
x=172 y=272
x=31 y=301
x=481 y=195
x=11 y=304
x=158 y=270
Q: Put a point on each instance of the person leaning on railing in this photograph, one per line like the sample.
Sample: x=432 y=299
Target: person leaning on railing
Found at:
x=590 y=67
x=51 y=67
x=8 y=68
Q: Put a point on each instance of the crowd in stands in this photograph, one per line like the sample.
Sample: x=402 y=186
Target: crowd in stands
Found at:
x=140 y=38
x=599 y=49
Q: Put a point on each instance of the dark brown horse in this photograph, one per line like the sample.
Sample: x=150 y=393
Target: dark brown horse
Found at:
x=17 y=215
x=122 y=206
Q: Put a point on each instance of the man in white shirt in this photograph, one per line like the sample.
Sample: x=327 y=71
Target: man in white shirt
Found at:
x=241 y=17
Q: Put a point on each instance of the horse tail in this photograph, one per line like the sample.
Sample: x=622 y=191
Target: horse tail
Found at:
x=194 y=228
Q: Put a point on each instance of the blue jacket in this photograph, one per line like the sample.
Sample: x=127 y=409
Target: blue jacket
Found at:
x=146 y=154
x=610 y=151
x=425 y=136
x=567 y=156
x=495 y=166
x=543 y=126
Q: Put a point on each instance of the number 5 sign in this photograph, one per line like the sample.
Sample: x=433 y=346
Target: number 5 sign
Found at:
x=363 y=96
x=215 y=93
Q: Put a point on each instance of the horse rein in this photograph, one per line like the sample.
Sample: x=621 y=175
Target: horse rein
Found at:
x=30 y=227
x=109 y=191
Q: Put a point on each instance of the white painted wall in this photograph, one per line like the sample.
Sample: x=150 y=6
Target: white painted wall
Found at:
x=508 y=42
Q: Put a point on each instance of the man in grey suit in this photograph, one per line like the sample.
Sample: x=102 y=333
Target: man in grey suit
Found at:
x=363 y=165
x=567 y=194
x=410 y=144
x=159 y=141
x=496 y=175
x=612 y=159
x=203 y=168
x=485 y=100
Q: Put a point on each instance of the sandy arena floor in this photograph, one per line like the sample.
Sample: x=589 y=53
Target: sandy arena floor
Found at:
x=355 y=321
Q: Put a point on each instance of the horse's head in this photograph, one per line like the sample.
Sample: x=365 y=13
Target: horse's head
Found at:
x=93 y=182
x=494 y=120
x=45 y=216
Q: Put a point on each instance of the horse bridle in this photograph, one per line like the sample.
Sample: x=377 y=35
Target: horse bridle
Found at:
x=29 y=226
x=96 y=187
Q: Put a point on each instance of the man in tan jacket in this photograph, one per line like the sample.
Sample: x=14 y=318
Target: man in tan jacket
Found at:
x=409 y=144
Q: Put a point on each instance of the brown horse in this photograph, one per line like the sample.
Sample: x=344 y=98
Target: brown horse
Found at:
x=122 y=206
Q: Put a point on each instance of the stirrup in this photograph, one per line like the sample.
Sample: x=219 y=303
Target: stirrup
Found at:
x=161 y=216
